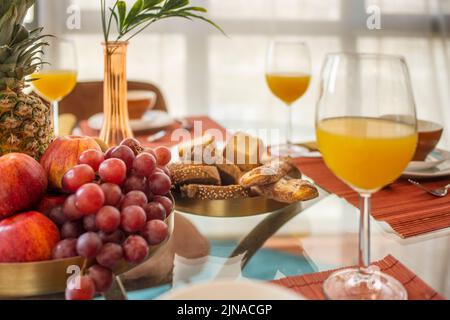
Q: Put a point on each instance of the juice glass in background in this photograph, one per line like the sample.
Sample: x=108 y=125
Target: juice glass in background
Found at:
x=288 y=74
x=288 y=87
x=57 y=79
x=365 y=149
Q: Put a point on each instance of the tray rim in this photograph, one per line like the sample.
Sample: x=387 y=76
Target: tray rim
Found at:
x=223 y=208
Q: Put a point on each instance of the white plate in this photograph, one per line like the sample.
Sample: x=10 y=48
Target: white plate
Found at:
x=435 y=158
x=151 y=120
x=436 y=165
x=232 y=290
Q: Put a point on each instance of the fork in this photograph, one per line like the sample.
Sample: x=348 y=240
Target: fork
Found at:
x=439 y=192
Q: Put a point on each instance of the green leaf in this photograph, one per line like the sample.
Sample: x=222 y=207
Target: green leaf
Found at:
x=176 y=14
x=199 y=9
x=114 y=15
x=135 y=10
x=175 y=4
x=6 y=26
x=148 y=4
x=145 y=12
x=4 y=53
x=35 y=32
x=144 y=17
x=20 y=33
x=122 y=9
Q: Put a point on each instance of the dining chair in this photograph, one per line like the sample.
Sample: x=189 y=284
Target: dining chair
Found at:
x=87 y=98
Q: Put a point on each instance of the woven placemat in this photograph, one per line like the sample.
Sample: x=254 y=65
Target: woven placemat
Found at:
x=407 y=209
x=310 y=285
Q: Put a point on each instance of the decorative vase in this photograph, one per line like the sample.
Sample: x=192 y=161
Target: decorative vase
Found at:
x=116 y=125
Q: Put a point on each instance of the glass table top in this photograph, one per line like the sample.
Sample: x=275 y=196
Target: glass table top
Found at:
x=320 y=235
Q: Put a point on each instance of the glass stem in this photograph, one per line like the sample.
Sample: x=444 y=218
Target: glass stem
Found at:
x=55 y=111
x=364 y=232
x=289 y=127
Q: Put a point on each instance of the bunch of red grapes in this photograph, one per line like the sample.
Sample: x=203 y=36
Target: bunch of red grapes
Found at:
x=116 y=209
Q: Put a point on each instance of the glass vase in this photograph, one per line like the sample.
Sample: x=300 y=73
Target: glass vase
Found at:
x=116 y=125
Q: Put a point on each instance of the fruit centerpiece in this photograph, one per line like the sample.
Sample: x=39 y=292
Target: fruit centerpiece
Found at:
x=112 y=210
x=83 y=205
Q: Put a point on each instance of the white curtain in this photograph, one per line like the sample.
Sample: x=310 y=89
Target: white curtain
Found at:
x=202 y=72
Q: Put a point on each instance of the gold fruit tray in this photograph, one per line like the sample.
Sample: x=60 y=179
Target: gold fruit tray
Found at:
x=19 y=280
x=228 y=208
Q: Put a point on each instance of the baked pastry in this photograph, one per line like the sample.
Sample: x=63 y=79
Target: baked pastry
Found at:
x=288 y=190
x=244 y=151
x=199 y=150
x=208 y=192
x=269 y=173
x=229 y=172
x=194 y=173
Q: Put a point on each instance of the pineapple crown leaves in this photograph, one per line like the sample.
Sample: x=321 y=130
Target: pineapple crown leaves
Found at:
x=20 y=50
x=143 y=13
x=12 y=15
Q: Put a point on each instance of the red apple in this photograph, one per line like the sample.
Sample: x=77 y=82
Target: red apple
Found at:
x=62 y=154
x=22 y=183
x=27 y=237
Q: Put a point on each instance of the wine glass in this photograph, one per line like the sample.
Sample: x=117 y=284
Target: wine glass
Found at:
x=288 y=74
x=367 y=133
x=55 y=80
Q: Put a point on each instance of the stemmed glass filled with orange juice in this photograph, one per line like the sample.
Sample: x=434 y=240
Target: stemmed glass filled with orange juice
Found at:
x=288 y=74
x=57 y=79
x=367 y=133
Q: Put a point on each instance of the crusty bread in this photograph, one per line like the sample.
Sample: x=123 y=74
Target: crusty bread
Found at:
x=229 y=172
x=288 y=190
x=200 y=150
x=268 y=173
x=208 y=192
x=244 y=151
x=191 y=173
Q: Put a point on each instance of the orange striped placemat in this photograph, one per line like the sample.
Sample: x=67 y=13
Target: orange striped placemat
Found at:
x=407 y=209
x=310 y=285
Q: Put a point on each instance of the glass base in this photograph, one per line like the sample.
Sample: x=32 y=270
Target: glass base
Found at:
x=288 y=150
x=352 y=284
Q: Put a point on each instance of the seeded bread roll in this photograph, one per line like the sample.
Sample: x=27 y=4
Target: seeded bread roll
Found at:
x=288 y=190
x=229 y=172
x=194 y=174
x=208 y=192
x=268 y=173
x=200 y=149
x=244 y=151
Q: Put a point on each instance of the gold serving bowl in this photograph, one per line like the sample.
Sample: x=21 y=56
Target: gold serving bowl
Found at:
x=228 y=208
x=28 y=279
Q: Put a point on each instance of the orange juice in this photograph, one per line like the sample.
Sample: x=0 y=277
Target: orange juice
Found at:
x=366 y=153
x=54 y=84
x=288 y=86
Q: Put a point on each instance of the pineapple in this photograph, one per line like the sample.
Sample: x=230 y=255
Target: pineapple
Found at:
x=25 y=119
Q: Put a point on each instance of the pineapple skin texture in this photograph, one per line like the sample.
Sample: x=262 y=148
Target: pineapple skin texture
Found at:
x=25 y=119
x=25 y=123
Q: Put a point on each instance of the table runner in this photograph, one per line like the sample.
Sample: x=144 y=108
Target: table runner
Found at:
x=407 y=209
x=310 y=285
